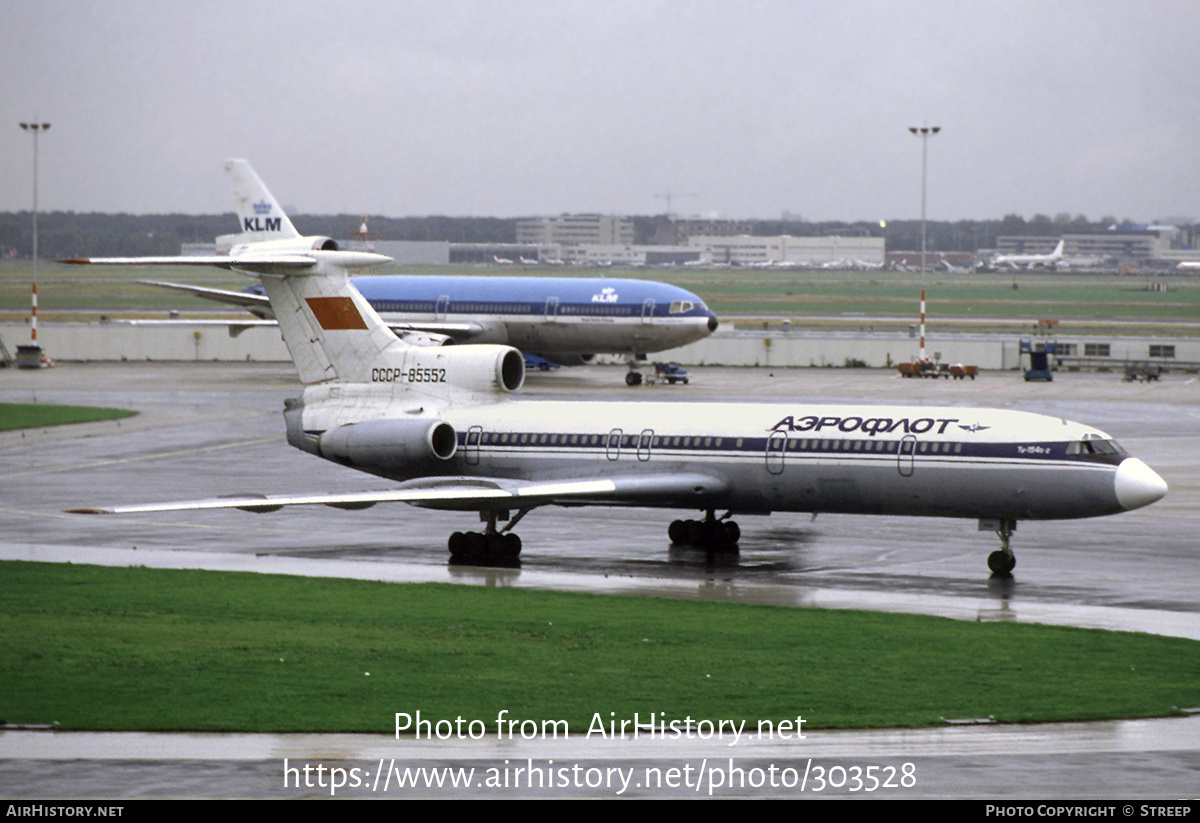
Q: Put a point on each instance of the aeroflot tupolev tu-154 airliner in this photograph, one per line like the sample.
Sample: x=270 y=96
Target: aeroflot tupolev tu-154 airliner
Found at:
x=446 y=425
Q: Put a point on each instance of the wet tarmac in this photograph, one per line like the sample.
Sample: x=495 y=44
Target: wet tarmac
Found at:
x=212 y=429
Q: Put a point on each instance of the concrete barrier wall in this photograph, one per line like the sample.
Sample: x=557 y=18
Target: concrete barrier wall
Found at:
x=807 y=349
x=190 y=342
x=121 y=341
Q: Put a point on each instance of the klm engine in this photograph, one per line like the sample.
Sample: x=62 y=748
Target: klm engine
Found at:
x=298 y=245
x=390 y=443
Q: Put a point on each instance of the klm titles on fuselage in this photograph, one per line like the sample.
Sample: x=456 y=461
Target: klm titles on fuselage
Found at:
x=871 y=426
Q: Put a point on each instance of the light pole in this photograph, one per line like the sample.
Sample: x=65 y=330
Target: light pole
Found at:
x=924 y=132
x=34 y=352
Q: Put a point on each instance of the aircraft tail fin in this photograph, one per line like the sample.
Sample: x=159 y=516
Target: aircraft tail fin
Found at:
x=335 y=336
x=330 y=329
x=260 y=217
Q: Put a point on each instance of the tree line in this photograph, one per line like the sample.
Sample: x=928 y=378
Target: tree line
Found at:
x=73 y=234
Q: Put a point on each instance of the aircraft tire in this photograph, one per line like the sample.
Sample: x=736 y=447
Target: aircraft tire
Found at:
x=678 y=532
x=505 y=546
x=1001 y=562
x=476 y=544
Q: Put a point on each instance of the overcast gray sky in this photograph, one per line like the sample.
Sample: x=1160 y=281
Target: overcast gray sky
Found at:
x=524 y=107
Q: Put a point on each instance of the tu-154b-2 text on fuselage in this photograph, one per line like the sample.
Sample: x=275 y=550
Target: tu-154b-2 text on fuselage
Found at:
x=445 y=424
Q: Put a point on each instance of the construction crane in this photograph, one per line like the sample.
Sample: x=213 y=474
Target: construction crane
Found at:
x=668 y=195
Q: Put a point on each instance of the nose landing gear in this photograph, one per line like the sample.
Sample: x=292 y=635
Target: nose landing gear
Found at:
x=1002 y=561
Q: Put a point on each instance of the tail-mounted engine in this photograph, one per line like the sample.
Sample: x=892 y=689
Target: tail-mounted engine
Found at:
x=390 y=442
x=296 y=245
x=444 y=370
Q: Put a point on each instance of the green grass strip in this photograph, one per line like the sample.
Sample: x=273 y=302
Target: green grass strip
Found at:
x=34 y=415
x=143 y=649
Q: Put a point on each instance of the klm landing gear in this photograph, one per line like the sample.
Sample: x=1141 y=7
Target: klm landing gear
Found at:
x=709 y=534
x=634 y=377
x=1002 y=561
x=491 y=547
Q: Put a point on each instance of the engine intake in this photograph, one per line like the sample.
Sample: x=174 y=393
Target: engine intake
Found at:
x=477 y=368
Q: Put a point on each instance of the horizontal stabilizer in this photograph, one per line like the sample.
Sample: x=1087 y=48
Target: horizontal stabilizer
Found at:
x=250 y=262
x=259 y=262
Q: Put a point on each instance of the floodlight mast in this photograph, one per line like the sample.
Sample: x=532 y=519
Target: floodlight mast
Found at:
x=36 y=128
x=924 y=132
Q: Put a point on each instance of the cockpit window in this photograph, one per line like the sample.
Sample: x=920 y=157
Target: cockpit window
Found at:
x=1096 y=446
x=681 y=306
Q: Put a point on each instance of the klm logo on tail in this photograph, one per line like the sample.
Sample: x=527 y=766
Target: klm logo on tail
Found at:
x=261 y=221
x=254 y=224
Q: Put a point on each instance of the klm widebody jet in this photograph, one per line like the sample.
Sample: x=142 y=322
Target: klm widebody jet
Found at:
x=447 y=427
x=567 y=320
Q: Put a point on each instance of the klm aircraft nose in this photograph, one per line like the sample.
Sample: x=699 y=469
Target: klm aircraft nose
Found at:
x=1137 y=484
x=712 y=323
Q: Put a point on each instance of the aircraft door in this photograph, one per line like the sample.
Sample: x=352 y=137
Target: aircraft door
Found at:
x=648 y=310
x=614 y=444
x=643 y=446
x=905 y=456
x=471 y=452
x=551 y=309
x=443 y=306
x=776 y=447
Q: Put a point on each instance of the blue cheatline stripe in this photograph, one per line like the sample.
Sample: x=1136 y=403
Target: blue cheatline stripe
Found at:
x=674 y=446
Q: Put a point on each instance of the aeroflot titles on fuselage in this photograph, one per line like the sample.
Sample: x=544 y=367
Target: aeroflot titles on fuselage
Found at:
x=868 y=425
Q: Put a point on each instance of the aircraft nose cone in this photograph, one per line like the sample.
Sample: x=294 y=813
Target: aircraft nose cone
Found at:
x=712 y=324
x=1137 y=484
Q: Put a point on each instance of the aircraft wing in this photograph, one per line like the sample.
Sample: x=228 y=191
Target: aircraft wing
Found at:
x=234 y=298
x=473 y=494
x=459 y=331
x=259 y=303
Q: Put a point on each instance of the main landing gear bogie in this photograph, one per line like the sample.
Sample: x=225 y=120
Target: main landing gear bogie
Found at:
x=484 y=546
x=491 y=545
x=710 y=534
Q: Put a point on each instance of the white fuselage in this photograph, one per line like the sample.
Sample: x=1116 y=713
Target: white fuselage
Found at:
x=802 y=457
